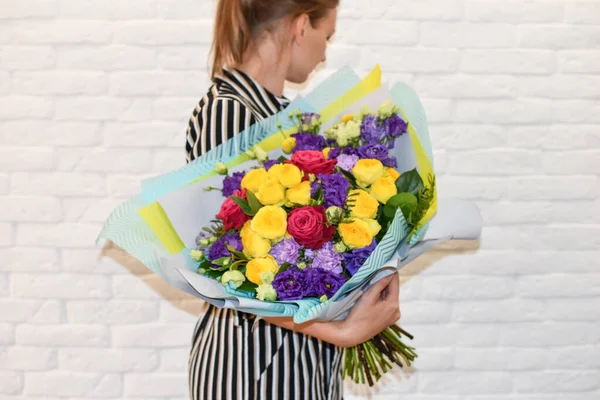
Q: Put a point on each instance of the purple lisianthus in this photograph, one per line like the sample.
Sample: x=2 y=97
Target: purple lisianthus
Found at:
x=232 y=183
x=335 y=189
x=286 y=251
x=349 y=151
x=219 y=249
x=357 y=257
x=324 y=282
x=334 y=153
x=391 y=162
x=290 y=284
x=395 y=126
x=269 y=163
x=376 y=151
x=314 y=186
x=328 y=259
x=371 y=129
x=347 y=162
x=308 y=141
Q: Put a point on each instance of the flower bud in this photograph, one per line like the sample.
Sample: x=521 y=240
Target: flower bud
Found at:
x=212 y=239
x=266 y=292
x=235 y=277
x=301 y=265
x=197 y=255
x=204 y=242
x=340 y=247
x=334 y=215
x=221 y=168
x=267 y=277
x=323 y=298
x=261 y=155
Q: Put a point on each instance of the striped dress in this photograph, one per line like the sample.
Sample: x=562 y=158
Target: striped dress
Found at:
x=230 y=359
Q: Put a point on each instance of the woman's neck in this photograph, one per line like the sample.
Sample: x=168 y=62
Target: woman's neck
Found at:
x=270 y=74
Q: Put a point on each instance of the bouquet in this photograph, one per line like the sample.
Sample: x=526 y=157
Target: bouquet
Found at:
x=300 y=213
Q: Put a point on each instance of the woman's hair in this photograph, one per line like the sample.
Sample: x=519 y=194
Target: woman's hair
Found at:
x=239 y=22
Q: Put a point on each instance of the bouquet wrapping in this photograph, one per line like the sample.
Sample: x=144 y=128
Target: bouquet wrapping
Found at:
x=236 y=227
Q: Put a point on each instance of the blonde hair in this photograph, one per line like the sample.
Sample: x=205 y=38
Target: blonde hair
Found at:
x=239 y=22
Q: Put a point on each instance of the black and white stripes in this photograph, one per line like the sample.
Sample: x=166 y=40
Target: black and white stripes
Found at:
x=230 y=360
x=233 y=103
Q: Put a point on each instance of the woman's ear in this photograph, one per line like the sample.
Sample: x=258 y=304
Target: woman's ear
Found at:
x=300 y=25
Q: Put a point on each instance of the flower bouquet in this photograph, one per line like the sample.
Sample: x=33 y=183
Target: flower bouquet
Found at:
x=300 y=213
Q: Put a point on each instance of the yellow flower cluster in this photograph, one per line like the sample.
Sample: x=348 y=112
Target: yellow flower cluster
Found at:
x=378 y=185
x=281 y=185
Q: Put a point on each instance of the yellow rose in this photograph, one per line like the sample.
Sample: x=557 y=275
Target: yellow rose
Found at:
x=245 y=229
x=256 y=267
x=299 y=194
x=392 y=173
x=254 y=245
x=364 y=205
x=326 y=151
x=288 y=145
x=356 y=234
x=367 y=171
x=383 y=188
x=374 y=225
x=253 y=180
x=271 y=192
x=287 y=174
x=347 y=117
x=270 y=222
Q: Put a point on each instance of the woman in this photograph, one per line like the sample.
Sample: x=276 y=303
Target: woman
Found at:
x=258 y=45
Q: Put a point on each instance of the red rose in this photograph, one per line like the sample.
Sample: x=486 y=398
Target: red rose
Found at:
x=308 y=226
x=313 y=162
x=231 y=213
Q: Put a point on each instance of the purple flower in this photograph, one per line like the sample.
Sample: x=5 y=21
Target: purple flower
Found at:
x=334 y=153
x=308 y=141
x=395 y=126
x=349 y=151
x=357 y=257
x=314 y=186
x=328 y=259
x=219 y=249
x=309 y=254
x=371 y=129
x=330 y=142
x=391 y=162
x=307 y=117
x=376 y=151
x=335 y=189
x=324 y=282
x=232 y=183
x=286 y=251
x=269 y=163
x=290 y=284
x=347 y=162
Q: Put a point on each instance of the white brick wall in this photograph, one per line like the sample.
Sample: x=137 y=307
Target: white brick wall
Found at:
x=95 y=96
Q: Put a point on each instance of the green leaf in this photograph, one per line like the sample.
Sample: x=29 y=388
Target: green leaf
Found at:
x=283 y=267
x=222 y=261
x=407 y=202
x=248 y=286
x=253 y=202
x=350 y=177
x=234 y=252
x=282 y=158
x=243 y=205
x=409 y=182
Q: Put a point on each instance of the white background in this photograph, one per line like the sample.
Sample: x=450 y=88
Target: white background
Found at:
x=95 y=95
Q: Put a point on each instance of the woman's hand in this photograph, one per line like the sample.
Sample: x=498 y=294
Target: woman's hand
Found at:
x=374 y=311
